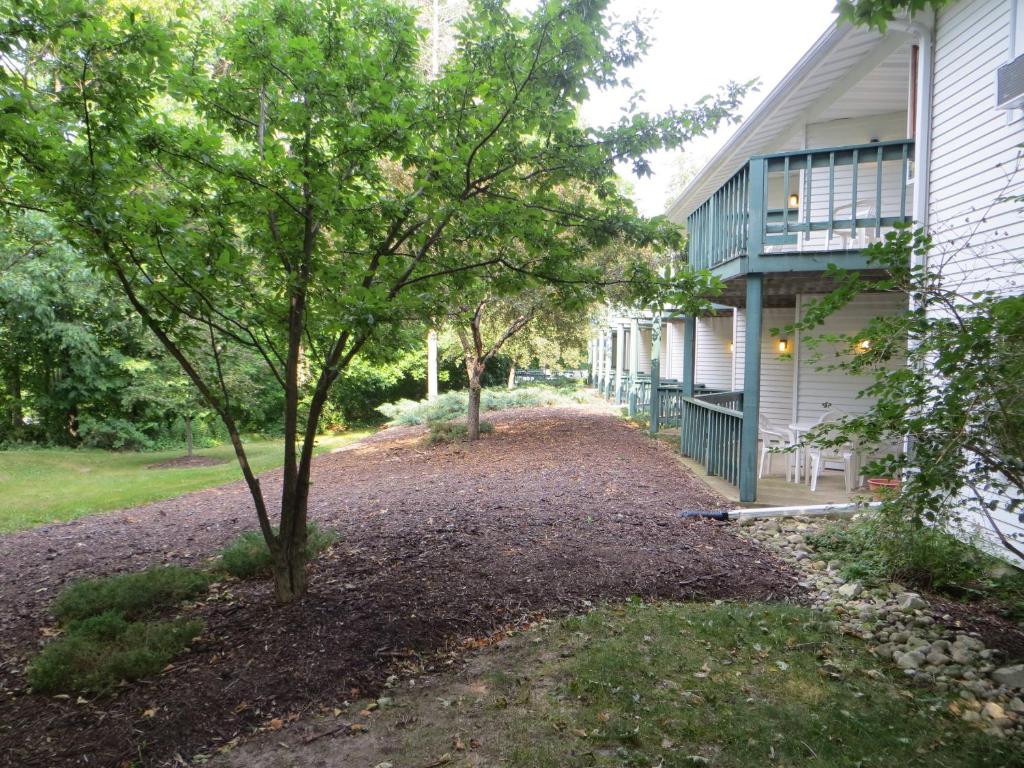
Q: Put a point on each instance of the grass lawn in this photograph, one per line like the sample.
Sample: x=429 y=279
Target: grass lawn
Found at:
x=727 y=685
x=56 y=484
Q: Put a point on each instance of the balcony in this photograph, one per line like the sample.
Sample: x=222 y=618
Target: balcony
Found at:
x=799 y=211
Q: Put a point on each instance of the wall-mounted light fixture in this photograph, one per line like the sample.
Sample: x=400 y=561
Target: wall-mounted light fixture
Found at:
x=864 y=345
x=783 y=345
x=794 y=200
x=731 y=346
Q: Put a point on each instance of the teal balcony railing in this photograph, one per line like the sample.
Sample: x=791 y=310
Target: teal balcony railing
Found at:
x=710 y=432
x=807 y=201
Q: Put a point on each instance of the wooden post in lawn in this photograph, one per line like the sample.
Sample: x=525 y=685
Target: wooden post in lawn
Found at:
x=655 y=372
x=634 y=363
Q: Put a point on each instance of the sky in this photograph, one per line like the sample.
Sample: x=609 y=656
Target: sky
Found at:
x=699 y=46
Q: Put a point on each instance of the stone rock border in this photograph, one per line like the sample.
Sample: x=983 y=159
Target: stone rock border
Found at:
x=899 y=626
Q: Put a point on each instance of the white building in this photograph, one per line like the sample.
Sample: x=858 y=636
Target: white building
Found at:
x=867 y=130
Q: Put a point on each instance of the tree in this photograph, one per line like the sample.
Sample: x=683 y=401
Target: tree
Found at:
x=285 y=180
x=957 y=403
x=878 y=13
x=494 y=323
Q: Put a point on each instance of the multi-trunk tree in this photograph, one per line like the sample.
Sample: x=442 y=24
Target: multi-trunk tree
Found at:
x=284 y=179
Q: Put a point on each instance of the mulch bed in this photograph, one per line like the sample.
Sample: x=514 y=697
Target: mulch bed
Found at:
x=184 y=462
x=439 y=545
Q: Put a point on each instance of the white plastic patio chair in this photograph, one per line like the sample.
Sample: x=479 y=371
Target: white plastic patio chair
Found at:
x=772 y=438
x=846 y=454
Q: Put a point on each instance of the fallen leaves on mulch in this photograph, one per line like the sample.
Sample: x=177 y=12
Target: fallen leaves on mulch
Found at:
x=440 y=547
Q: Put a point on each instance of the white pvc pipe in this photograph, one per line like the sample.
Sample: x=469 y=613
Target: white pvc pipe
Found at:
x=811 y=510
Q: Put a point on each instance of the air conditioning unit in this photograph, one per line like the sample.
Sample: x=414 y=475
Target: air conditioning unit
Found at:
x=1010 y=85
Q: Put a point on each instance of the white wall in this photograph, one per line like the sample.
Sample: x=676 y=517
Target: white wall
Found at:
x=975 y=157
x=645 y=351
x=816 y=384
x=713 y=364
x=776 y=369
x=672 y=349
x=975 y=160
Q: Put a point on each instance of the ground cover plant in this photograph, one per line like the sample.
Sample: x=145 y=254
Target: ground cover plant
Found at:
x=882 y=547
x=129 y=595
x=453 y=431
x=452 y=405
x=102 y=651
x=109 y=633
x=248 y=555
x=85 y=481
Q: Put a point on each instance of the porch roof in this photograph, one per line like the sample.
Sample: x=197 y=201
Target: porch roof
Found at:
x=819 y=87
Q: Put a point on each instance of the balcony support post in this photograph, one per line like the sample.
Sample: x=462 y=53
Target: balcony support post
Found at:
x=655 y=372
x=620 y=353
x=634 y=363
x=689 y=354
x=751 y=390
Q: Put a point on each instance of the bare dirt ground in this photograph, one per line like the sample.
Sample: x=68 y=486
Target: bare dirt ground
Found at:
x=440 y=546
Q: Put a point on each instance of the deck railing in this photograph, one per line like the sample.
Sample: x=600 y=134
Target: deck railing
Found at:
x=643 y=393
x=710 y=432
x=830 y=199
x=670 y=403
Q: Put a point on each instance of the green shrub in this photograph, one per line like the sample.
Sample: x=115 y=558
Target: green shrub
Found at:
x=446 y=432
x=99 y=652
x=453 y=431
x=248 y=556
x=132 y=595
x=453 y=405
x=889 y=548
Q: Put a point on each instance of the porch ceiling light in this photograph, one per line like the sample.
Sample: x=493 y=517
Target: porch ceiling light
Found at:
x=783 y=345
x=794 y=200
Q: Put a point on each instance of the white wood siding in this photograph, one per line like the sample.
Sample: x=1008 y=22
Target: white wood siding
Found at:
x=974 y=164
x=816 y=384
x=645 y=351
x=713 y=365
x=672 y=350
x=975 y=158
x=776 y=369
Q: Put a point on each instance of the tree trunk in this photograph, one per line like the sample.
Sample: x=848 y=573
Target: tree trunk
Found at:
x=290 y=579
x=473 y=413
x=512 y=375
x=188 y=434
x=14 y=390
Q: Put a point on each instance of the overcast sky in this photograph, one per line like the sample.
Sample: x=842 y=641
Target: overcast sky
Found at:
x=700 y=45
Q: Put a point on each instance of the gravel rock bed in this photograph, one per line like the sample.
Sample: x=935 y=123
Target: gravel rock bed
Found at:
x=907 y=629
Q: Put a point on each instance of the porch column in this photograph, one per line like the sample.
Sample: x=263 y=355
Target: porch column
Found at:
x=620 y=354
x=689 y=354
x=605 y=360
x=590 y=359
x=655 y=371
x=751 y=390
x=634 y=363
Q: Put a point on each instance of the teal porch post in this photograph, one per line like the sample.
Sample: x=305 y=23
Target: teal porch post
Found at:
x=689 y=354
x=599 y=366
x=620 y=349
x=751 y=390
x=590 y=360
x=634 y=363
x=605 y=361
x=655 y=371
